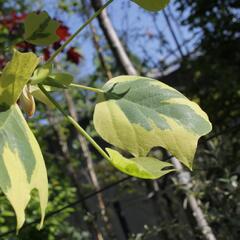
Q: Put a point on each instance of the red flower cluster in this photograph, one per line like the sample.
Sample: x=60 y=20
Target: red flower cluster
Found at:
x=2 y=62
x=13 y=22
x=63 y=32
x=46 y=54
x=25 y=47
x=73 y=55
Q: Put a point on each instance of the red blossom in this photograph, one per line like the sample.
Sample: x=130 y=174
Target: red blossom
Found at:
x=25 y=46
x=2 y=62
x=19 y=18
x=63 y=32
x=56 y=45
x=73 y=55
x=12 y=20
x=46 y=54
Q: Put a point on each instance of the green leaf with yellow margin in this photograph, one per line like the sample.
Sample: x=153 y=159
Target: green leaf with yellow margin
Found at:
x=141 y=167
x=137 y=113
x=14 y=77
x=22 y=167
x=40 y=29
x=152 y=5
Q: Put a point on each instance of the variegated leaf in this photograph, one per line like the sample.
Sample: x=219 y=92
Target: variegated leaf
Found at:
x=14 y=77
x=137 y=113
x=22 y=167
x=141 y=167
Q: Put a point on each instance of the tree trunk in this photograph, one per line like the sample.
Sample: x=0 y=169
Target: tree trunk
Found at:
x=100 y=53
x=113 y=40
x=184 y=179
x=90 y=167
x=96 y=44
x=71 y=172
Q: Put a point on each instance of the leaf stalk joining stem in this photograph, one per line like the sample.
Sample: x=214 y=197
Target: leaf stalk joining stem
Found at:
x=75 y=124
x=96 y=90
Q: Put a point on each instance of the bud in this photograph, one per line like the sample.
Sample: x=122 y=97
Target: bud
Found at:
x=27 y=102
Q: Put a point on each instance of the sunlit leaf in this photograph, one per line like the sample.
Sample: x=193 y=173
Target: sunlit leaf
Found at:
x=41 y=73
x=40 y=29
x=137 y=114
x=15 y=75
x=152 y=5
x=141 y=167
x=22 y=167
x=59 y=80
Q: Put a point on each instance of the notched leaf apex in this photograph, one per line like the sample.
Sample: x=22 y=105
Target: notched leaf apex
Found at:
x=141 y=167
x=152 y=5
x=40 y=29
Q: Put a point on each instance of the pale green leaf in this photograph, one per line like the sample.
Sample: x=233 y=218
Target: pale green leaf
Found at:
x=40 y=96
x=40 y=29
x=41 y=73
x=58 y=80
x=14 y=77
x=22 y=167
x=141 y=167
x=152 y=5
x=137 y=114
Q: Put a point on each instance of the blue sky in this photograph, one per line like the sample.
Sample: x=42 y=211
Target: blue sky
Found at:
x=129 y=19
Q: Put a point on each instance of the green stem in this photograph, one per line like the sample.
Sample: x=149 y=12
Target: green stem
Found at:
x=96 y=90
x=75 y=124
x=78 y=31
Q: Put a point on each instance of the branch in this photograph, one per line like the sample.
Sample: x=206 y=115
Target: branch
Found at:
x=113 y=40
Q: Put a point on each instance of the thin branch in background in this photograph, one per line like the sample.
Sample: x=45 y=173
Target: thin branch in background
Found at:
x=178 y=28
x=72 y=172
x=173 y=33
x=95 y=39
x=113 y=40
x=90 y=166
x=53 y=213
